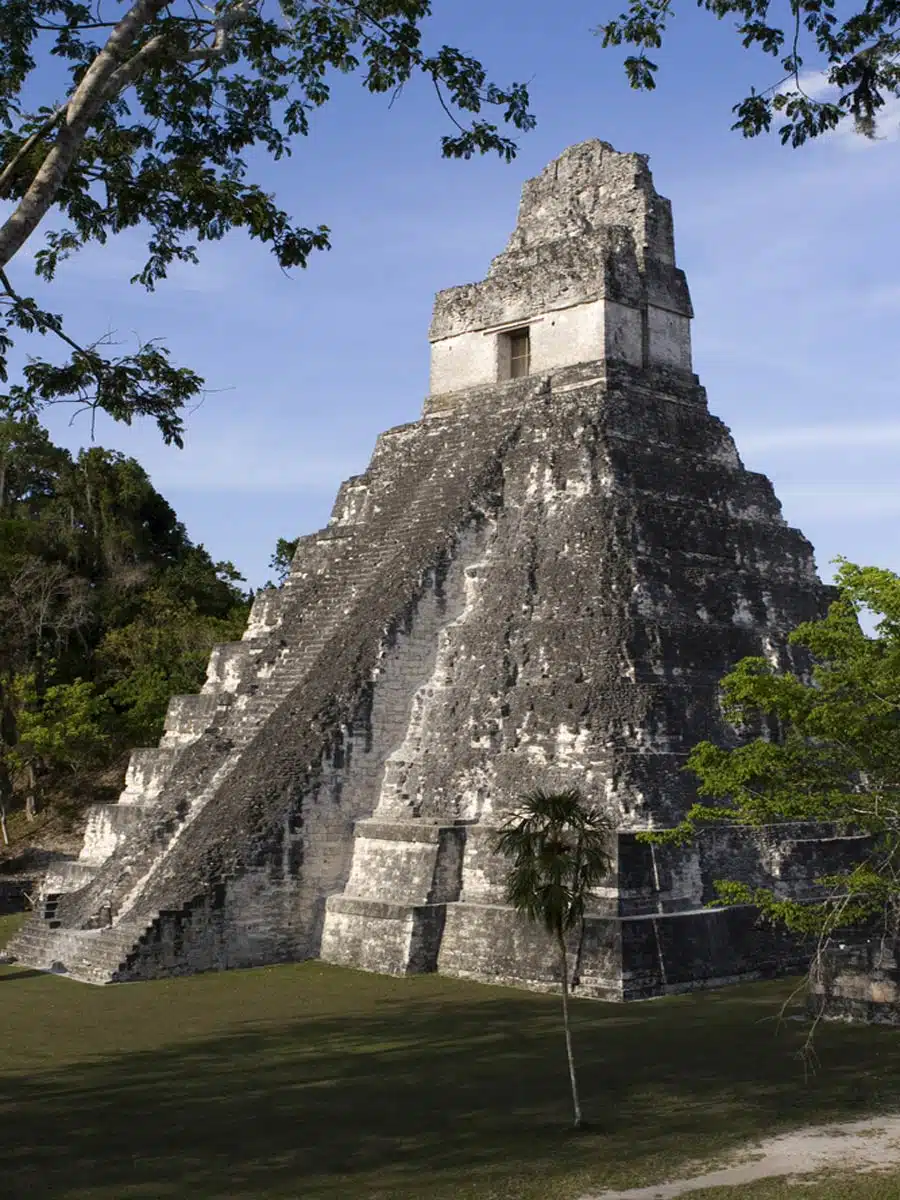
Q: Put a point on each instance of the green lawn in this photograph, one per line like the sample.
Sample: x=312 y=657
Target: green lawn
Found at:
x=318 y=1083
x=836 y=1187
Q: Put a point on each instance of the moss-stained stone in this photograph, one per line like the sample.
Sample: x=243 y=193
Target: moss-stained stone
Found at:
x=540 y=582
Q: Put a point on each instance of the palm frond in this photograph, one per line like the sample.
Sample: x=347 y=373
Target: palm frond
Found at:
x=559 y=846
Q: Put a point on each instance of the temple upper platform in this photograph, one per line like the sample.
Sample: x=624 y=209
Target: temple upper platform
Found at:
x=588 y=274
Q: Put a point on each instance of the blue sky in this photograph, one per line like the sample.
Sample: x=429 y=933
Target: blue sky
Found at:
x=792 y=259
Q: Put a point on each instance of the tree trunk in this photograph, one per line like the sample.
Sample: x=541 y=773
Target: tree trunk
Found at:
x=579 y=949
x=114 y=68
x=564 y=974
x=97 y=87
x=5 y=797
x=7 y=741
x=31 y=794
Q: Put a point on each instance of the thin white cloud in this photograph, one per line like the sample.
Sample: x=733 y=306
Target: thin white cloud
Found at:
x=122 y=256
x=309 y=478
x=815 y=84
x=839 y=504
x=877 y=435
x=225 y=453
x=886 y=295
x=241 y=460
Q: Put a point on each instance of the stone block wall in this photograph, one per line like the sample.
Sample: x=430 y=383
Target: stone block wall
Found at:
x=541 y=582
x=857 y=980
x=14 y=893
x=590 y=270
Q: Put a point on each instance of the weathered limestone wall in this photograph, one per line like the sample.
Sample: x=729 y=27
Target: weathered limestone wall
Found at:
x=857 y=981
x=634 y=959
x=274 y=909
x=559 y=337
x=542 y=581
x=590 y=269
x=14 y=893
x=643 y=559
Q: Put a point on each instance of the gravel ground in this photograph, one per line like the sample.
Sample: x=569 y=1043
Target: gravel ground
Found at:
x=859 y=1145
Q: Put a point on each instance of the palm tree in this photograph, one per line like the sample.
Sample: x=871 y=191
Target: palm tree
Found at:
x=560 y=850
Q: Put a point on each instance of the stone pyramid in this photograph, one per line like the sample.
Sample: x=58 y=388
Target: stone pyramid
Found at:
x=540 y=582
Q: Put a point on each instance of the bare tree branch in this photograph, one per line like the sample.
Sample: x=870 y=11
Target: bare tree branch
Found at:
x=156 y=47
x=16 y=298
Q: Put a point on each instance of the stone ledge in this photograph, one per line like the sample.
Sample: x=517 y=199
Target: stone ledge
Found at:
x=656 y=382
x=386 y=651
x=357 y=906
x=405 y=831
x=500 y=394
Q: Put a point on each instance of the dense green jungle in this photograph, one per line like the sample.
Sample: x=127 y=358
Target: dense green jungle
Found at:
x=107 y=609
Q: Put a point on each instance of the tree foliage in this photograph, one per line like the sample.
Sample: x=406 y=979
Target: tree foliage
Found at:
x=106 y=610
x=854 y=55
x=559 y=846
x=64 y=726
x=164 y=650
x=280 y=562
x=833 y=755
x=560 y=850
x=166 y=101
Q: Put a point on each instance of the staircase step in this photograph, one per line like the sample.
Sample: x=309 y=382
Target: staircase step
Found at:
x=93 y=956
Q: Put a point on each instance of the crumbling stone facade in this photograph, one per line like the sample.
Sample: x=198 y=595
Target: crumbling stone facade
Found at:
x=541 y=581
x=857 y=980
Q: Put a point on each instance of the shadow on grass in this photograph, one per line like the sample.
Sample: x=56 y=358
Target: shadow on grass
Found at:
x=26 y=973
x=407 y=1089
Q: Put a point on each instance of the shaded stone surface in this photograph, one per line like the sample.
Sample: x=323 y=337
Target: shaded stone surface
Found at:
x=14 y=893
x=540 y=582
x=857 y=981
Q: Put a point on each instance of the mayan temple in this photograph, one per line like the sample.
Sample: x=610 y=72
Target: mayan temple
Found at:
x=538 y=583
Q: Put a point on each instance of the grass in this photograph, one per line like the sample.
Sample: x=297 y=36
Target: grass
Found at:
x=315 y=1082
x=843 y=1186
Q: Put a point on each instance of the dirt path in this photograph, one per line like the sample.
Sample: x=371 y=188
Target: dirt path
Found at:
x=854 y=1145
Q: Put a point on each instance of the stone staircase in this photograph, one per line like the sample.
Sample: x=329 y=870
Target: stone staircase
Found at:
x=405 y=868
x=89 y=955
x=95 y=955
x=247 y=681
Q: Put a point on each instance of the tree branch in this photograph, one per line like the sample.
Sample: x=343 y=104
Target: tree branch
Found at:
x=87 y=100
x=222 y=26
x=109 y=73
x=7 y=173
x=77 y=28
x=51 y=327
x=444 y=106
